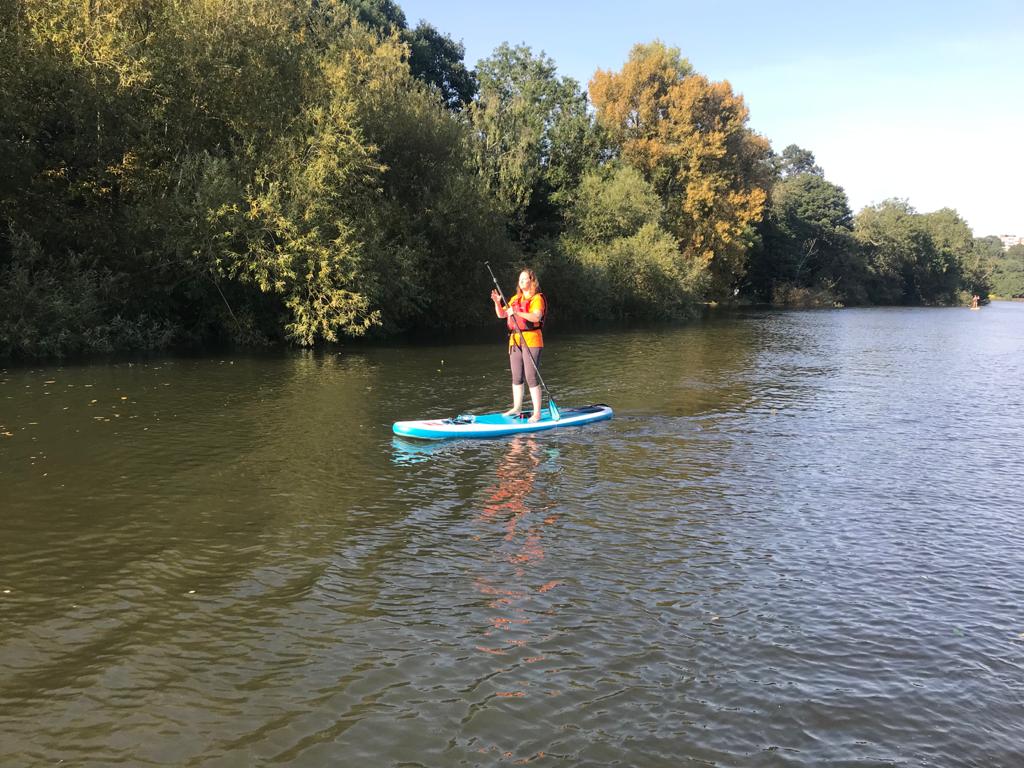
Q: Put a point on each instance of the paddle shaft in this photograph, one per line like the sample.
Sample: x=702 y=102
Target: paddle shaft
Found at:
x=522 y=338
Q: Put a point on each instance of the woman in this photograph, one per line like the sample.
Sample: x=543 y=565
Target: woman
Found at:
x=524 y=317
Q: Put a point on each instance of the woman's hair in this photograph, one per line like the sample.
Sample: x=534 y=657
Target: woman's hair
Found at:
x=534 y=282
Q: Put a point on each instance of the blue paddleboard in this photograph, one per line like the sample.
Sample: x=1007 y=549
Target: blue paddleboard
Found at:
x=497 y=425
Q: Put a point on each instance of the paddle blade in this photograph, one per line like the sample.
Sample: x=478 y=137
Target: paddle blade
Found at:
x=555 y=415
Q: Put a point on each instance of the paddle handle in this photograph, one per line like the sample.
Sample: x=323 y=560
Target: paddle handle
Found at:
x=495 y=281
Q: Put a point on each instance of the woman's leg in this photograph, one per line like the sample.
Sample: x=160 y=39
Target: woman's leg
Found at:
x=535 y=396
x=530 y=363
x=515 y=359
x=517 y=400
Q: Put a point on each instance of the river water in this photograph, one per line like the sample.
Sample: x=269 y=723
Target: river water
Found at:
x=800 y=542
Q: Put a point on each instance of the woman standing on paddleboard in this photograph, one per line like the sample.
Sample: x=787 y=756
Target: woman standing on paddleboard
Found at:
x=525 y=319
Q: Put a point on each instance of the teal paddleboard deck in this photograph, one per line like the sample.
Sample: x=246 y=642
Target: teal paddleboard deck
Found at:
x=497 y=425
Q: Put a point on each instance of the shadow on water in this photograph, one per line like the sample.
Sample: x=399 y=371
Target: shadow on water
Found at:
x=405 y=451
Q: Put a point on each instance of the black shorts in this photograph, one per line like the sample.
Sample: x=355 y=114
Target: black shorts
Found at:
x=520 y=363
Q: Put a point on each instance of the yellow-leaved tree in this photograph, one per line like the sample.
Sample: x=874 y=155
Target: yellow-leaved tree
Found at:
x=689 y=137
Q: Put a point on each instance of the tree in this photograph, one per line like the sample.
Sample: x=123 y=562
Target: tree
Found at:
x=433 y=57
x=430 y=216
x=437 y=59
x=629 y=263
x=808 y=241
x=384 y=16
x=912 y=258
x=1008 y=272
x=954 y=247
x=689 y=138
x=252 y=169
x=982 y=264
x=532 y=134
x=795 y=160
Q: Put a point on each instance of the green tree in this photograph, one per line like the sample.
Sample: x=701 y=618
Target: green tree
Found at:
x=533 y=136
x=980 y=269
x=433 y=57
x=430 y=218
x=1007 y=276
x=191 y=169
x=954 y=251
x=385 y=16
x=628 y=264
x=796 y=160
x=437 y=59
x=912 y=258
x=808 y=242
x=78 y=100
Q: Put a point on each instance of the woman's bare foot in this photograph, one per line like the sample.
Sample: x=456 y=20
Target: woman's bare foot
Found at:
x=535 y=417
x=512 y=412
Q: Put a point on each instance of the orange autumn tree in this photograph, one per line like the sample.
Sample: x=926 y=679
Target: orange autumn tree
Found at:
x=689 y=137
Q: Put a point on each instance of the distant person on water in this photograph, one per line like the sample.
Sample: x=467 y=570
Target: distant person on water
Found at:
x=524 y=317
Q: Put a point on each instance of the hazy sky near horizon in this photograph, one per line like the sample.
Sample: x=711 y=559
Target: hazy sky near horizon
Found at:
x=916 y=100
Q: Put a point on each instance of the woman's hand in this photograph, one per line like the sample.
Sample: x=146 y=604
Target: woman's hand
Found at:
x=495 y=296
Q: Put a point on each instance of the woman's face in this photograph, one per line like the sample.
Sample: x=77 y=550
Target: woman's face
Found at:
x=524 y=281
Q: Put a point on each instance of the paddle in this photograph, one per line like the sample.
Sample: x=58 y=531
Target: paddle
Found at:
x=555 y=415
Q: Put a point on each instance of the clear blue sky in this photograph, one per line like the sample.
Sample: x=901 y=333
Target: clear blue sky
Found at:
x=918 y=100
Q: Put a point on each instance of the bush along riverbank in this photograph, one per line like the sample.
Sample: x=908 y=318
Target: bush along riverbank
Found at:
x=266 y=173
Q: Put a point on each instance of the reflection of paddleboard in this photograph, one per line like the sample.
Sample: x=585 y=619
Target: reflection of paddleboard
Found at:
x=497 y=425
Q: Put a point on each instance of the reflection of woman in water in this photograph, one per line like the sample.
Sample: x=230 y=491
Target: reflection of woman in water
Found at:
x=515 y=519
x=508 y=505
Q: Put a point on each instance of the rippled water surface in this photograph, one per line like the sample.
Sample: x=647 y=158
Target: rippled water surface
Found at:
x=799 y=542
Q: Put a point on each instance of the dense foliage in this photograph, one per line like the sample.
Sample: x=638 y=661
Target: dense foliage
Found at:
x=689 y=138
x=1007 y=271
x=256 y=171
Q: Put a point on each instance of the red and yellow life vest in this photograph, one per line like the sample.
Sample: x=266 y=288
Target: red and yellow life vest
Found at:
x=531 y=331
